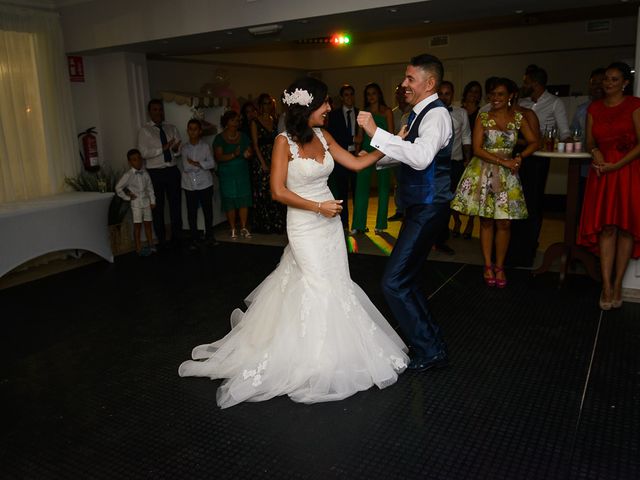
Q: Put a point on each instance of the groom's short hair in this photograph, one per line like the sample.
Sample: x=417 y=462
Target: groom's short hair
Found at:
x=431 y=64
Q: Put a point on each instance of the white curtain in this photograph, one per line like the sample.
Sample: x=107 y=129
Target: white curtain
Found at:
x=38 y=147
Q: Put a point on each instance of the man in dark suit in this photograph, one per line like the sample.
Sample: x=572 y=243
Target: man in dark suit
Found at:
x=425 y=157
x=342 y=126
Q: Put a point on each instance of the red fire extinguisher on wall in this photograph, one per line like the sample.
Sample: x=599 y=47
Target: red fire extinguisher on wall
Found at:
x=89 y=149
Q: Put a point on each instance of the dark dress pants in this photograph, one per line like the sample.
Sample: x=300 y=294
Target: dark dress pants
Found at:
x=524 y=233
x=341 y=181
x=401 y=283
x=456 y=169
x=166 y=181
x=203 y=198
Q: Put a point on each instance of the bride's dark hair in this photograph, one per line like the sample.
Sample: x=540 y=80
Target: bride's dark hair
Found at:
x=297 y=118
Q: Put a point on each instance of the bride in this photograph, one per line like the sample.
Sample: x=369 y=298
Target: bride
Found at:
x=309 y=331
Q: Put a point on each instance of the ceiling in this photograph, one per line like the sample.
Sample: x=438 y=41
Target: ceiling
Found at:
x=416 y=19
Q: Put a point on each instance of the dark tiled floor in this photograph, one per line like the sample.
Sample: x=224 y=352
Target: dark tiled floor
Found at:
x=90 y=388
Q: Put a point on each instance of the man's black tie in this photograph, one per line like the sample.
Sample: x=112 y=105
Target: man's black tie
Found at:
x=349 y=125
x=412 y=117
x=164 y=141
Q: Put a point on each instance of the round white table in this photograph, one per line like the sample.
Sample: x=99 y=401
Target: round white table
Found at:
x=568 y=250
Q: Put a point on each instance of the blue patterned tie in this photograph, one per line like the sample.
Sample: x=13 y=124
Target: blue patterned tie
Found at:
x=412 y=117
x=164 y=141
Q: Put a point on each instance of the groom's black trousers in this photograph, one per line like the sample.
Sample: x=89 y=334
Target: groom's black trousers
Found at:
x=401 y=280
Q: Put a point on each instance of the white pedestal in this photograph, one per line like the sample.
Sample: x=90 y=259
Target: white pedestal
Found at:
x=631 y=282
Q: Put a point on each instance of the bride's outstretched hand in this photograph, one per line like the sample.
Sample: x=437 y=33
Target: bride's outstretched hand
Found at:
x=330 y=208
x=404 y=131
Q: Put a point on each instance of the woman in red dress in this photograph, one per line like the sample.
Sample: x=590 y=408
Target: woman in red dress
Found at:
x=610 y=222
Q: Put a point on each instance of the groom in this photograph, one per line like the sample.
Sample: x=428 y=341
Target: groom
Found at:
x=425 y=156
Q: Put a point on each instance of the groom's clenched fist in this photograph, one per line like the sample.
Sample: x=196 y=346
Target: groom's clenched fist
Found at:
x=365 y=120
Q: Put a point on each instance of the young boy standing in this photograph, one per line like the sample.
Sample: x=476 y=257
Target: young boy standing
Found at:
x=135 y=186
x=197 y=182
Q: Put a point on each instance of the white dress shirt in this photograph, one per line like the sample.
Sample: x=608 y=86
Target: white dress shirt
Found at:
x=150 y=145
x=434 y=134
x=194 y=177
x=461 y=132
x=137 y=182
x=550 y=112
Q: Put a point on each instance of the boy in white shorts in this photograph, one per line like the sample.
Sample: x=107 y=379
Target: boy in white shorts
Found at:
x=135 y=186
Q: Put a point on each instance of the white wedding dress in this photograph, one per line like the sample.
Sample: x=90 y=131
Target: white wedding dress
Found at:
x=309 y=331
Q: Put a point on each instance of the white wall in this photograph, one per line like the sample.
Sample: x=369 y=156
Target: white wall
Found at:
x=631 y=282
x=112 y=99
x=245 y=80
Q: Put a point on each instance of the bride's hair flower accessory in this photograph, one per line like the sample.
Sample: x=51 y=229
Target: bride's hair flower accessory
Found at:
x=298 y=97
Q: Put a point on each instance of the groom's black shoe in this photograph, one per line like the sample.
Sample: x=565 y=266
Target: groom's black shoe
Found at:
x=421 y=364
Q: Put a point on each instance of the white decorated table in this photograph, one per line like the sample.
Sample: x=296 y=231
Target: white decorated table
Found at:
x=67 y=221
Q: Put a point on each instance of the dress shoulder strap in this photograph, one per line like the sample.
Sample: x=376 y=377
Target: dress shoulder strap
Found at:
x=517 y=118
x=485 y=121
x=320 y=135
x=293 y=146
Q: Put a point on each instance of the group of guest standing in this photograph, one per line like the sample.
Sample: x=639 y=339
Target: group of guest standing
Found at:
x=501 y=182
x=491 y=185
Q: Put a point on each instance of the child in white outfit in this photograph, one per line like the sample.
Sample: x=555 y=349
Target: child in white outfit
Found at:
x=135 y=186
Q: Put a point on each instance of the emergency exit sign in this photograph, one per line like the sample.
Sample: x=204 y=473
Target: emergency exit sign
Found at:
x=76 y=69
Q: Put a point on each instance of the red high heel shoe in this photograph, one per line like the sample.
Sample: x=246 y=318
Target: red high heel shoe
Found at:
x=500 y=282
x=490 y=281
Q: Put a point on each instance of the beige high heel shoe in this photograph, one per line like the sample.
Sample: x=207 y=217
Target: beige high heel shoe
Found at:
x=604 y=305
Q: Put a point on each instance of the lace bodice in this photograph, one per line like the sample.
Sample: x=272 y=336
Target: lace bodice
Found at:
x=306 y=176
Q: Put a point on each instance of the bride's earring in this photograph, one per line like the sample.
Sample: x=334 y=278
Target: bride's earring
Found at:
x=509 y=103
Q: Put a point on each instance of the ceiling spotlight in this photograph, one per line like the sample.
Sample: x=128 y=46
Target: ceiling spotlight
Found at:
x=426 y=21
x=265 y=29
x=519 y=11
x=229 y=32
x=393 y=10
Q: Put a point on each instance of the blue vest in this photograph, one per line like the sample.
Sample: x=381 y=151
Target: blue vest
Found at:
x=433 y=184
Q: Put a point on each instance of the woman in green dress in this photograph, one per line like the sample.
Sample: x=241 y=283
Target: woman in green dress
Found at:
x=490 y=186
x=383 y=116
x=232 y=149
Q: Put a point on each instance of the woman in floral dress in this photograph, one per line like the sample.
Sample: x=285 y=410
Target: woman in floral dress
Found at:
x=490 y=187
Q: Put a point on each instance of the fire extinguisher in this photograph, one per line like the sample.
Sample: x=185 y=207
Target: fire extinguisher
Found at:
x=89 y=149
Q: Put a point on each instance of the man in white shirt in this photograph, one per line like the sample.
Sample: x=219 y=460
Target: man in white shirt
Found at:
x=460 y=155
x=424 y=152
x=551 y=114
x=159 y=142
